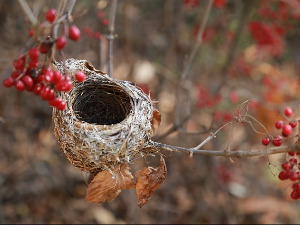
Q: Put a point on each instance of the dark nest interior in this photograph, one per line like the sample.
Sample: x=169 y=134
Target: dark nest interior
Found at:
x=101 y=102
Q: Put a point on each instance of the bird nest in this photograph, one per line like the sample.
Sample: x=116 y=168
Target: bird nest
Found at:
x=105 y=122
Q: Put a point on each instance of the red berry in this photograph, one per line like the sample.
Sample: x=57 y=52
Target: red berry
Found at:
x=15 y=74
x=19 y=63
x=44 y=47
x=40 y=78
x=286 y=166
x=61 y=42
x=34 y=53
x=219 y=3
x=50 y=15
x=105 y=22
x=293 y=161
x=288 y=111
x=265 y=141
x=59 y=86
x=97 y=35
x=286 y=130
x=277 y=141
x=74 y=33
x=37 y=88
x=295 y=195
x=293 y=123
x=283 y=175
x=56 y=77
x=33 y=63
x=44 y=93
x=9 y=82
x=31 y=32
x=80 y=76
x=61 y=105
x=64 y=84
x=296 y=187
x=279 y=124
x=20 y=86
x=67 y=86
x=101 y=14
x=293 y=175
x=48 y=76
x=50 y=94
x=291 y=153
x=28 y=82
x=55 y=101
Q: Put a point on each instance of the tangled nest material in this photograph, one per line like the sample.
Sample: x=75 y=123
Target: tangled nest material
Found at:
x=105 y=122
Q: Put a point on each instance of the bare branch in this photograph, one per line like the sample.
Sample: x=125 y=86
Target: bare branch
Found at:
x=71 y=6
x=28 y=12
x=111 y=35
x=238 y=153
x=191 y=59
x=213 y=135
x=198 y=40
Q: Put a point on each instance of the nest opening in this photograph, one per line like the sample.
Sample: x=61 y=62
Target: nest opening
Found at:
x=101 y=103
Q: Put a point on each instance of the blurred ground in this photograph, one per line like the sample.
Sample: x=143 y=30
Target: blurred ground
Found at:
x=38 y=185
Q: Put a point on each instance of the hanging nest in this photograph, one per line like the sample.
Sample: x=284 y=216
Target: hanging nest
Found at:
x=105 y=122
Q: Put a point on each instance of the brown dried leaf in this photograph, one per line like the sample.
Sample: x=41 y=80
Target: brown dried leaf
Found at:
x=107 y=185
x=148 y=180
x=155 y=122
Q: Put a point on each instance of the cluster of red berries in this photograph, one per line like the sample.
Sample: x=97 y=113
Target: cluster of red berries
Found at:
x=36 y=76
x=291 y=172
x=291 y=168
x=104 y=21
x=97 y=34
x=285 y=127
x=41 y=81
x=60 y=42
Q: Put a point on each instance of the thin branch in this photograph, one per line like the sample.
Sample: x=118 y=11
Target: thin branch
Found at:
x=213 y=135
x=64 y=16
x=28 y=12
x=198 y=40
x=253 y=118
x=111 y=35
x=191 y=59
x=228 y=146
x=238 y=153
x=241 y=18
x=71 y=6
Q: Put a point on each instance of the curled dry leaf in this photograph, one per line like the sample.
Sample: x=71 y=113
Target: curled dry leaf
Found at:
x=148 y=180
x=107 y=185
x=155 y=122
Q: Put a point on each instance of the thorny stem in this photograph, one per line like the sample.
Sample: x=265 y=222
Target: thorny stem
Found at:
x=191 y=58
x=111 y=35
x=28 y=12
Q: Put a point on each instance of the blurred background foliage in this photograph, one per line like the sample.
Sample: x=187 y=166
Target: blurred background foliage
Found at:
x=154 y=41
